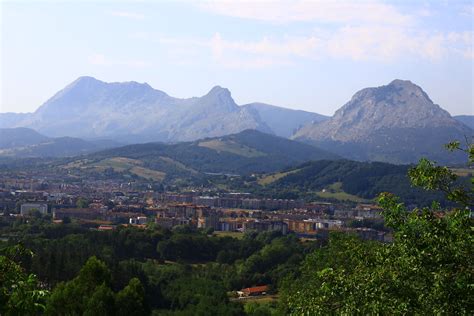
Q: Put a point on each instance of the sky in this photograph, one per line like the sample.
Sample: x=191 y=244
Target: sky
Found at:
x=309 y=55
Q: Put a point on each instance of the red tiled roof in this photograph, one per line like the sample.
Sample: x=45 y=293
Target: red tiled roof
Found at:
x=256 y=289
x=106 y=227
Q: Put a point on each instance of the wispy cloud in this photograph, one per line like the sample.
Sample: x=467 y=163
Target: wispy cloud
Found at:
x=368 y=30
x=357 y=43
x=102 y=60
x=128 y=14
x=282 y=11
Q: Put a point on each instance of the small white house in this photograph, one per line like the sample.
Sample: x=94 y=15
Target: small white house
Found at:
x=138 y=220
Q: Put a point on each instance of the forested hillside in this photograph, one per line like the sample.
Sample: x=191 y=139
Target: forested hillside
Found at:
x=361 y=179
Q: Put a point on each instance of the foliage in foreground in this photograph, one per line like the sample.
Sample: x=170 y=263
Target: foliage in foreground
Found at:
x=20 y=293
x=427 y=270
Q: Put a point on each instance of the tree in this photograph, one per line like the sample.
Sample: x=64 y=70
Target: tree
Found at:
x=82 y=203
x=20 y=293
x=73 y=297
x=102 y=302
x=131 y=300
x=427 y=270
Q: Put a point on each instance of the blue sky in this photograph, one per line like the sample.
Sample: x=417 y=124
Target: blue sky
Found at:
x=310 y=55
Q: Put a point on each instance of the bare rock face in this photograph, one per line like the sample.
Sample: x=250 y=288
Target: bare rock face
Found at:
x=395 y=123
x=135 y=112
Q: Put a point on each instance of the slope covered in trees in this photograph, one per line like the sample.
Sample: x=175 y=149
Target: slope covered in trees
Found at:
x=362 y=179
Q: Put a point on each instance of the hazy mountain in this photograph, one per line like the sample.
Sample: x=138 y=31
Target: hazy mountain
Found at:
x=467 y=120
x=284 y=122
x=247 y=152
x=395 y=123
x=89 y=108
x=25 y=142
x=19 y=137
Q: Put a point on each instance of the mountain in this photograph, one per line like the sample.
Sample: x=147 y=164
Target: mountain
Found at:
x=284 y=122
x=394 y=123
x=467 y=120
x=23 y=142
x=136 y=113
x=89 y=108
x=244 y=153
x=19 y=137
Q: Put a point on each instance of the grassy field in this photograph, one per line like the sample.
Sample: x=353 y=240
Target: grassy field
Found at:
x=274 y=177
x=133 y=166
x=231 y=147
x=237 y=235
x=119 y=164
x=335 y=191
x=148 y=173
x=177 y=164
x=257 y=299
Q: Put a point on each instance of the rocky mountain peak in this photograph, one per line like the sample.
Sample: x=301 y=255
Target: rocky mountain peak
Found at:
x=85 y=79
x=397 y=122
x=220 y=98
x=402 y=83
x=398 y=104
x=218 y=91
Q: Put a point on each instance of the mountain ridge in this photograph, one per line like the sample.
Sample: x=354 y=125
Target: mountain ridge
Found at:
x=90 y=108
x=22 y=142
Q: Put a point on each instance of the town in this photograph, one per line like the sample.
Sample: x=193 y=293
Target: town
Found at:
x=107 y=204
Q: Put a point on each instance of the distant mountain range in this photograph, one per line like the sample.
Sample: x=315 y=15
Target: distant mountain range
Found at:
x=136 y=113
x=467 y=120
x=23 y=142
x=285 y=122
x=395 y=123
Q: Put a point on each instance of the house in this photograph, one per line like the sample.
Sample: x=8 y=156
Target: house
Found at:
x=139 y=220
x=253 y=291
x=106 y=227
x=211 y=221
x=79 y=213
x=170 y=222
x=266 y=225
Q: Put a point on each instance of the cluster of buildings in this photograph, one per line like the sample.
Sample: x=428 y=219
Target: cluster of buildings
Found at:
x=110 y=203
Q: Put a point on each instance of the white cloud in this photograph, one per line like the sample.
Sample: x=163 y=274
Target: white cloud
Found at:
x=102 y=60
x=347 y=30
x=128 y=14
x=357 y=43
x=282 y=11
x=385 y=44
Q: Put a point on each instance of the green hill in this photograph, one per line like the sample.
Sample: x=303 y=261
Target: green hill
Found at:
x=244 y=153
x=344 y=180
